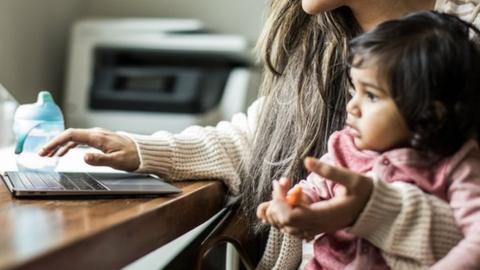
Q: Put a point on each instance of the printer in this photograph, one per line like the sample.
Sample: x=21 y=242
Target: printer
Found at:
x=144 y=75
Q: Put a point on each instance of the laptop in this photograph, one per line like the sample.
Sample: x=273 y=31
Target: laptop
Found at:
x=46 y=184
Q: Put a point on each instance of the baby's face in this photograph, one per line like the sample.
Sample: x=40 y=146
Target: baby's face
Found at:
x=373 y=118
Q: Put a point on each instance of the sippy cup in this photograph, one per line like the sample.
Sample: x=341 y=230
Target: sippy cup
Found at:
x=35 y=125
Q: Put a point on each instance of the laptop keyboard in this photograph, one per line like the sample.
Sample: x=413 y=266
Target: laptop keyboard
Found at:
x=55 y=181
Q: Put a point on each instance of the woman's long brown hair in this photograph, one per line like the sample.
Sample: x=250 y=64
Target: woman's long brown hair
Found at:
x=305 y=93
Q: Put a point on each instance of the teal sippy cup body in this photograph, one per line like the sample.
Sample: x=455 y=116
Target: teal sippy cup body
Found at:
x=34 y=126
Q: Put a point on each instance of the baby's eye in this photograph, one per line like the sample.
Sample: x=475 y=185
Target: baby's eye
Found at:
x=372 y=97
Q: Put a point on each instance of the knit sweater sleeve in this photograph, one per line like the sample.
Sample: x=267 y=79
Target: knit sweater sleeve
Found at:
x=200 y=152
x=413 y=229
x=468 y=10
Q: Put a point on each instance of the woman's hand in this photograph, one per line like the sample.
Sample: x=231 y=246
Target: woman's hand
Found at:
x=306 y=221
x=119 y=152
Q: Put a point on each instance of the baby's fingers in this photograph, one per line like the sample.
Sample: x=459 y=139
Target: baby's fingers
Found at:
x=262 y=211
x=277 y=213
x=271 y=217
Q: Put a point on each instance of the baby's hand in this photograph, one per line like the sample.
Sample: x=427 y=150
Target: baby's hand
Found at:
x=268 y=212
x=286 y=206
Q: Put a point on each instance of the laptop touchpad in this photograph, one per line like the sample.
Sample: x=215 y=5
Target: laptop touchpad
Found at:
x=130 y=182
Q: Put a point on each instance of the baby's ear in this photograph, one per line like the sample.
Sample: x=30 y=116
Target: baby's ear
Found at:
x=440 y=110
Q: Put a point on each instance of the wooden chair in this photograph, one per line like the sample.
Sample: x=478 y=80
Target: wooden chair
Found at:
x=230 y=227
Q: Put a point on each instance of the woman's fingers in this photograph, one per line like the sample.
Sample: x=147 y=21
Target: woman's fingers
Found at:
x=119 y=151
x=64 y=149
x=341 y=176
x=335 y=174
x=91 y=137
x=301 y=223
x=70 y=135
x=348 y=203
x=338 y=213
x=278 y=213
x=323 y=216
x=271 y=216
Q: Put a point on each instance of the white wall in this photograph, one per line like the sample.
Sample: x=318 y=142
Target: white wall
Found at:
x=33 y=37
x=228 y=16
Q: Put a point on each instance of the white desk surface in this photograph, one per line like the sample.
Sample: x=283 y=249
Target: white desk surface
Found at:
x=71 y=162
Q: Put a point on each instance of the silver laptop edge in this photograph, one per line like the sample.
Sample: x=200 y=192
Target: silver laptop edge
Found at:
x=166 y=189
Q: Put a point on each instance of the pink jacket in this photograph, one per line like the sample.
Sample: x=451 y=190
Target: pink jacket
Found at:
x=455 y=179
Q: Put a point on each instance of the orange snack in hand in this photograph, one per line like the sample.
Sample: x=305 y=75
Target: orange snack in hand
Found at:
x=294 y=196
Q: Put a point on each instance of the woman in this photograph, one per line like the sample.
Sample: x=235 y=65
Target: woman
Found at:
x=304 y=95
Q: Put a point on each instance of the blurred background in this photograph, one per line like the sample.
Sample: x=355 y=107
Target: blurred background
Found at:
x=35 y=34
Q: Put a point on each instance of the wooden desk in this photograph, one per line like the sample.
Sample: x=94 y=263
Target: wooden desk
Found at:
x=98 y=234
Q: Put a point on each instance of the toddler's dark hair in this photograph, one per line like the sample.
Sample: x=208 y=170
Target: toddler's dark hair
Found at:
x=427 y=59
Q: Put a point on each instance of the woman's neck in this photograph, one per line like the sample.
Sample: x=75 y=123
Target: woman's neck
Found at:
x=370 y=13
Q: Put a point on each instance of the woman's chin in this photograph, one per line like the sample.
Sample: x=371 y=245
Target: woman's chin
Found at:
x=308 y=8
x=314 y=7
